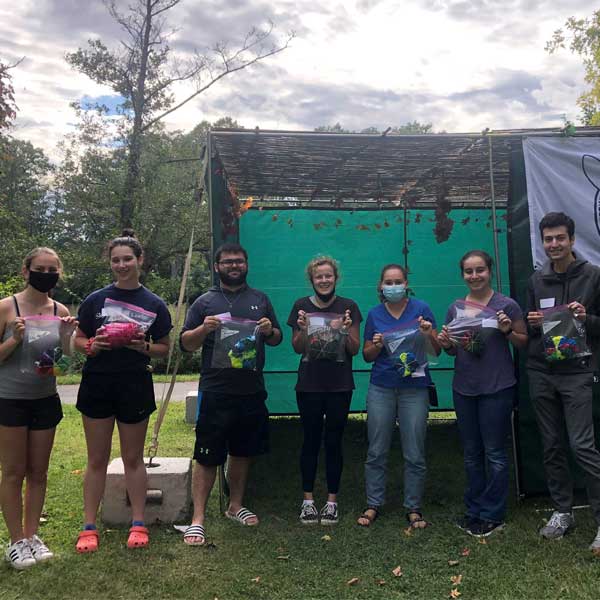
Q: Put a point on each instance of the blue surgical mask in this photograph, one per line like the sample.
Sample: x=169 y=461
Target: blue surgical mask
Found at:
x=394 y=293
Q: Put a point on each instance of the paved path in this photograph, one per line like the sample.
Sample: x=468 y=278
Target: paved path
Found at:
x=68 y=393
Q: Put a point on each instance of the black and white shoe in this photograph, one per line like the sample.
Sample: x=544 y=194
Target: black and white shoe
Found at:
x=467 y=523
x=39 y=550
x=485 y=529
x=309 y=514
x=329 y=514
x=19 y=555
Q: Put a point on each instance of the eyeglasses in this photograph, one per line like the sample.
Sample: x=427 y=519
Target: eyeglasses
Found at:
x=228 y=262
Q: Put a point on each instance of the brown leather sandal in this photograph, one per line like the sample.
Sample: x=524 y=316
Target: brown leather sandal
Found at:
x=368 y=518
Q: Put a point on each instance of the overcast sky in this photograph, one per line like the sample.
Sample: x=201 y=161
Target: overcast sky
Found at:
x=462 y=65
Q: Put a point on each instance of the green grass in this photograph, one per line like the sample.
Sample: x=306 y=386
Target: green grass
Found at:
x=75 y=378
x=513 y=564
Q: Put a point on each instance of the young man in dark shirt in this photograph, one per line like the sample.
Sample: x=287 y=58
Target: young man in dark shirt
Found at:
x=561 y=391
x=233 y=419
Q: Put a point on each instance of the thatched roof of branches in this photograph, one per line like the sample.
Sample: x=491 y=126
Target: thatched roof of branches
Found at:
x=335 y=170
x=302 y=169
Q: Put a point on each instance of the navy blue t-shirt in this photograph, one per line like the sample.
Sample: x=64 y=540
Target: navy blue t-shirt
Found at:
x=91 y=319
x=379 y=320
x=247 y=303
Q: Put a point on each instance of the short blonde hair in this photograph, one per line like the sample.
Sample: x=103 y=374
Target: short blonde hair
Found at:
x=319 y=261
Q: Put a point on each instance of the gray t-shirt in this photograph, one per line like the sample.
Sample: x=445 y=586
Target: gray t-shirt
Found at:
x=494 y=369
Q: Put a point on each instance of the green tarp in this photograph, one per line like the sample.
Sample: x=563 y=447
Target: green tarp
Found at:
x=281 y=242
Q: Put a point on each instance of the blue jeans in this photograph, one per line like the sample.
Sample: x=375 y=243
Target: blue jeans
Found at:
x=484 y=423
x=410 y=406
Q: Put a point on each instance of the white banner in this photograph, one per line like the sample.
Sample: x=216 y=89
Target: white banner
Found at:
x=563 y=175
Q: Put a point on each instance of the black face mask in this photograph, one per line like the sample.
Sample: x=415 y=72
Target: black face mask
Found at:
x=42 y=282
x=325 y=297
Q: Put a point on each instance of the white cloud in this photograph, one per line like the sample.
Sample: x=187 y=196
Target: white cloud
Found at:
x=361 y=62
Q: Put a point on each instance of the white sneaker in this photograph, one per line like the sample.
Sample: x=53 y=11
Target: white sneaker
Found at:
x=19 y=555
x=39 y=550
x=558 y=525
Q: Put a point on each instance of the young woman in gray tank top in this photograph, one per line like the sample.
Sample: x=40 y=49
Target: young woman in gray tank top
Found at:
x=29 y=410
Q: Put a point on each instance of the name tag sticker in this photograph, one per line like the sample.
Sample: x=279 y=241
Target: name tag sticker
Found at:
x=547 y=302
x=490 y=323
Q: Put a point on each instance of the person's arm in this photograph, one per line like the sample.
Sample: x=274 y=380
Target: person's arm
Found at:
x=429 y=331
x=193 y=339
x=299 y=333
x=153 y=349
x=7 y=347
x=372 y=348
x=269 y=327
x=534 y=318
x=512 y=325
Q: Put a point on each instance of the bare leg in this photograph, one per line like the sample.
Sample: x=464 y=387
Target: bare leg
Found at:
x=237 y=475
x=98 y=437
x=39 y=447
x=132 y=437
x=13 y=461
x=203 y=479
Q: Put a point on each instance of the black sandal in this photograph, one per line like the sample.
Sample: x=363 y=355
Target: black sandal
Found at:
x=369 y=519
x=412 y=523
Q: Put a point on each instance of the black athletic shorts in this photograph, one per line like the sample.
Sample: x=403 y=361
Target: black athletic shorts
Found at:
x=231 y=424
x=127 y=396
x=42 y=413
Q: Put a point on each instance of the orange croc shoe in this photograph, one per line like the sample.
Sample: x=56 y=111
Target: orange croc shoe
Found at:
x=138 y=537
x=87 y=541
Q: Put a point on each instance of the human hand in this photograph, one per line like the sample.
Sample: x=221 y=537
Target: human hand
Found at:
x=211 y=323
x=265 y=327
x=138 y=342
x=101 y=341
x=425 y=326
x=301 y=321
x=578 y=311
x=444 y=338
x=535 y=318
x=18 y=329
x=504 y=322
x=347 y=323
x=68 y=325
x=378 y=340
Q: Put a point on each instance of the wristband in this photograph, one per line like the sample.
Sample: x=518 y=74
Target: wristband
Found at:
x=88 y=347
x=268 y=337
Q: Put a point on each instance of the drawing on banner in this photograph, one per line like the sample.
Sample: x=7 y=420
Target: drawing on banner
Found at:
x=588 y=164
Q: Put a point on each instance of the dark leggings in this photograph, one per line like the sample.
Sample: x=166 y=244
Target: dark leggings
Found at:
x=313 y=406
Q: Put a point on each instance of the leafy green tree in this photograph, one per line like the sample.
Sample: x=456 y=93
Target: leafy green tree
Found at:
x=410 y=128
x=582 y=36
x=144 y=72
x=8 y=107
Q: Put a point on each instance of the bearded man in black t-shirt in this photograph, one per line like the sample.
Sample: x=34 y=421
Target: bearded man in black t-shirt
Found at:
x=232 y=417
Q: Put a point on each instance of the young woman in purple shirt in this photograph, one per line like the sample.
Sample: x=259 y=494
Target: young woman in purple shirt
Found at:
x=483 y=393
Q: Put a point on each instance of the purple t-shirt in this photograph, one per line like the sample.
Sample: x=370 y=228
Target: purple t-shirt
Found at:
x=493 y=370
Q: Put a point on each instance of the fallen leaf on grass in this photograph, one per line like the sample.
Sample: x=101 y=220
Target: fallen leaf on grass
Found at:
x=43 y=520
x=482 y=541
x=256 y=580
x=453 y=563
x=456 y=579
x=284 y=557
x=380 y=581
x=465 y=552
x=77 y=472
x=397 y=572
x=408 y=531
x=353 y=581
x=454 y=593
x=326 y=538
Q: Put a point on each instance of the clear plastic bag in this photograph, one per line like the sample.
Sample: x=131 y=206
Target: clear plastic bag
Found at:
x=44 y=343
x=123 y=322
x=471 y=326
x=564 y=337
x=236 y=344
x=324 y=337
x=407 y=348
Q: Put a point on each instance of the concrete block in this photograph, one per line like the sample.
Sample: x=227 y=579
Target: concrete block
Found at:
x=168 y=498
x=191 y=407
